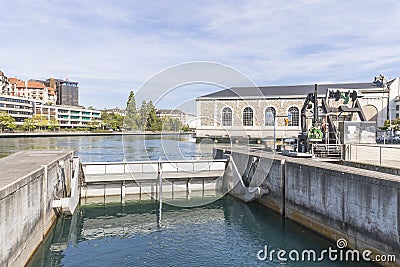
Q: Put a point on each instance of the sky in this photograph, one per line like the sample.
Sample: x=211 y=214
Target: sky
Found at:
x=112 y=47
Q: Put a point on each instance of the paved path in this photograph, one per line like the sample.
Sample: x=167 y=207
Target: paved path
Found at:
x=19 y=165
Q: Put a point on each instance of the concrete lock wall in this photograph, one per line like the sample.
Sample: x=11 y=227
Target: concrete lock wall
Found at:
x=359 y=205
x=26 y=212
x=336 y=201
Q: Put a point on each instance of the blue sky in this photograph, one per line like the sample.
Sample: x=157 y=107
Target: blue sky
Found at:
x=111 y=47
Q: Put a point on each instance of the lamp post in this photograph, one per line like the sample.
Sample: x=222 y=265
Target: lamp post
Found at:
x=390 y=121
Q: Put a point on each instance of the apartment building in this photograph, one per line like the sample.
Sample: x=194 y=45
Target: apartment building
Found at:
x=19 y=108
x=67 y=116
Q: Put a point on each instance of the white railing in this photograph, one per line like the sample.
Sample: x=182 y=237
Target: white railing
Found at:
x=174 y=166
x=384 y=155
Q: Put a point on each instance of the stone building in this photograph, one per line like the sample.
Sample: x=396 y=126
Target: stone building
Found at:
x=274 y=111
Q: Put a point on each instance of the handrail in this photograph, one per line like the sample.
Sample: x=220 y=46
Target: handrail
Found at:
x=177 y=166
x=152 y=161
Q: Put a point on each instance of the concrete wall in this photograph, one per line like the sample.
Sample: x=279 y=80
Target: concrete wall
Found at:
x=26 y=212
x=337 y=201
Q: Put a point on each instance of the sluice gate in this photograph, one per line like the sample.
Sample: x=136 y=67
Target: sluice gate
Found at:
x=139 y=177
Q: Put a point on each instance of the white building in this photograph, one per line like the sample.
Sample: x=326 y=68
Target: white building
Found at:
x=261 y=112
x=19 y=108
x=67 y=116
x=185 y=118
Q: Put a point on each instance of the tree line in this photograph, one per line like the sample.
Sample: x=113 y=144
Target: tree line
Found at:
x=7 y=122
x=143 y=119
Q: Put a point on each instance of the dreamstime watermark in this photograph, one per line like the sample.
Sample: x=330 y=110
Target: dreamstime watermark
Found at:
x=340 y=253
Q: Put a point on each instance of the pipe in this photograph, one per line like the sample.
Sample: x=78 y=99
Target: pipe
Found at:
x=315 y=119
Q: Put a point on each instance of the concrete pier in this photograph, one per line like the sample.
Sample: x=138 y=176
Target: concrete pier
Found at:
x=360 y=205
x=28 y=180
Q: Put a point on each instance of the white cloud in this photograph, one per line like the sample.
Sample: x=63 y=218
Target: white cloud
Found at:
x=112 y=47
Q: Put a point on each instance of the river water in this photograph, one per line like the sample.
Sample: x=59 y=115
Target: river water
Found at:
x=115 y=147
x=226 y=232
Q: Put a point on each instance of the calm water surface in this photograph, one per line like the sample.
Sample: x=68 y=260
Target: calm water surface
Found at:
x=224 y=233
x=114 y=148
x=227 y=232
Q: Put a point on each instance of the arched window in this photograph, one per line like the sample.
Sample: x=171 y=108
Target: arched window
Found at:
x=270 y=116
x=248 y=116
x=226 y=117
x=293 y=116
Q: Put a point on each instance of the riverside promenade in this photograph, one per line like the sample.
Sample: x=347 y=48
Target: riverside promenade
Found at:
x=62 y=133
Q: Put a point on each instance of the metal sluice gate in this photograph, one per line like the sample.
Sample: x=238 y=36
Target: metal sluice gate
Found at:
x=103 y=179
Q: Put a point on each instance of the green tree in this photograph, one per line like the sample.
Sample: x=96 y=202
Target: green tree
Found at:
x=132 y=116
x=185 y=128
x=171 y=125
x=53 y=124
x=143 y=114
x=153 y=123
x=112 y=120
x=6 y=121
x=29 y=124
x=93 y=125
x=41 y=121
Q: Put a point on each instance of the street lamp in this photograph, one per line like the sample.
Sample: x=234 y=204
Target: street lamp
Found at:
x=390 y=121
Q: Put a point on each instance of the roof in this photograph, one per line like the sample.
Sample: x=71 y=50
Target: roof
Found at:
x=291 y=90
x=35 y=85
x=16 y=81
x=169 y=111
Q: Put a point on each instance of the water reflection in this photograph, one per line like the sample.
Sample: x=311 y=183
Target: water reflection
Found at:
x=224 y=233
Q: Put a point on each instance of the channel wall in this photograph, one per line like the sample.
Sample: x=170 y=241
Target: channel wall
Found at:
x=336 y=201
x=28 y=180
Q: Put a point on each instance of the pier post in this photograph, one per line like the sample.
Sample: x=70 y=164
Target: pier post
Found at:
x=123 y=189
x=203 y=187
x=188 y=188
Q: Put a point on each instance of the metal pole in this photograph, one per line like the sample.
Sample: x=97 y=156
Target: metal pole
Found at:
x=160 y=194
x=390 y=121
x=274 y=133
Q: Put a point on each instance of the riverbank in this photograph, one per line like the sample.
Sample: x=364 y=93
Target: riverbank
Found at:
x=58 y=134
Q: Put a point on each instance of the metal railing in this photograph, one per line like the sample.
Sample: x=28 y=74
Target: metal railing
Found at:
x=375 y=154
x=174 y=166
x=327 y=150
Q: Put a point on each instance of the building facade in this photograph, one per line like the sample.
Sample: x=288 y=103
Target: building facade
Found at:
x=67 y=91
x=19 y=108
x=274 y=111
x=67 y=116
x=183 y=117
x=116 y=110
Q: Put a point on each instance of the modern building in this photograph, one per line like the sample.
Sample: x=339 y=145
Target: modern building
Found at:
x=268 y=111
x=19 y=108
x=53 y=98
x=67 y=116
x=67 y=91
